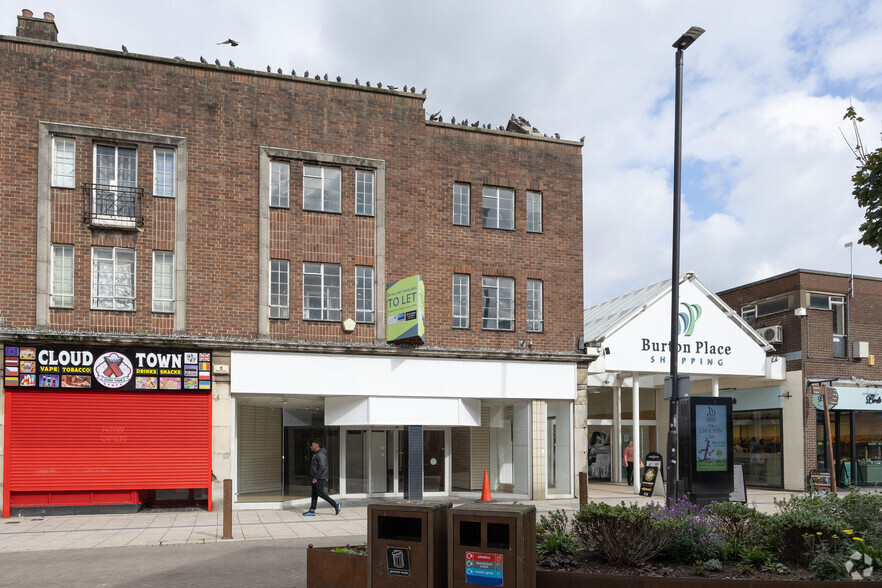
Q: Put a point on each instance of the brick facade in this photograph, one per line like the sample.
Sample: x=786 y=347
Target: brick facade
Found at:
x=808 y=341
x=228 y=128
x=225 y=116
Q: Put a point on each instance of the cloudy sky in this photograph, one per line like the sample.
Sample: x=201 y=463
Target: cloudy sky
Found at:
x=766 y=172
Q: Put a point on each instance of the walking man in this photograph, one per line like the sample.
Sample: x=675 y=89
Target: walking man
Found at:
x=318 y=471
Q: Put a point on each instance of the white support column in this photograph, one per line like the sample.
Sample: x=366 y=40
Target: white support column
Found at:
x=635 y=405
x=615 y=444
x=715 y=386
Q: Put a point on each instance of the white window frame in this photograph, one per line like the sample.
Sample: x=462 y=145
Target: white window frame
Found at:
x=280 y=289
x=461 y=287
x=364 y=193
x=748 y=313
x=118 y=216
x=497 y=303
x=364 y=294
x=772 y=306
x=280 y=184
x=535 y=322
x=329 y=196
x=163 y=172
x=62 y=294
x=122 y=282
x=819 y=301
x=329 y=293
x=462 y=196
x=498 y=207
x=64 y=157
x=163 y=281
x=837 y=305
x=534 y=212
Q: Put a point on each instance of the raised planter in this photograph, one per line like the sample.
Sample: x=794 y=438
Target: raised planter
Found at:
x=326 y=567
x=557 y=579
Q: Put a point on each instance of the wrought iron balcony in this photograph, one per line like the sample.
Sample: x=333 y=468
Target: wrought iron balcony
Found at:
x=117 y=207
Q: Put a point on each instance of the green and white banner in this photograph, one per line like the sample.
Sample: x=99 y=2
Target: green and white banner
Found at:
x=405 y=309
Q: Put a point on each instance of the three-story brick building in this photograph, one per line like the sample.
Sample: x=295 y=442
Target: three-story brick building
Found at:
x=196 y=261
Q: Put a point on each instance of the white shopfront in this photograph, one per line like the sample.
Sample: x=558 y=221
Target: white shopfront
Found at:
x=630 y=336
x=512 y=418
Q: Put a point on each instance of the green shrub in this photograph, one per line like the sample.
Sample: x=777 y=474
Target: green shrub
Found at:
x=741 y=523
x=555 y=521
x=801 y=517
x=762 y=560
x=828 y=567
x=352 y=549
x=695 y=531
x=734 y=550
x=627 y=535
x=863 y=513
x=758 y=558
x=556 y=545
x=557 y=549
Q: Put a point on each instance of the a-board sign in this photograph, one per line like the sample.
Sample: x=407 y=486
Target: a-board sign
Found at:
x=647 y=483
x=484 y=568
x=398 y=561
x=739 y=494
x=820 y=481
x=654 y=458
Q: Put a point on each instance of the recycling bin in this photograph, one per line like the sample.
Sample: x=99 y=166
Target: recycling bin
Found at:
x=407 y=544
x=492 y=545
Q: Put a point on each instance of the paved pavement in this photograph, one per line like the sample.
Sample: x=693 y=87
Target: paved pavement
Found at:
x=162 y=527
x=184 y=546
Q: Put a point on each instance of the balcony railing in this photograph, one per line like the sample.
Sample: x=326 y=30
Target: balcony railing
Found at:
x=105 y=205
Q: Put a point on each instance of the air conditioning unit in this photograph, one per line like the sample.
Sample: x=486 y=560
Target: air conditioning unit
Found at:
x=860 y=350
x=772 y=334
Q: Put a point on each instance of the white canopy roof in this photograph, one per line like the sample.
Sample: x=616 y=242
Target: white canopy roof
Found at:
x=633 y=332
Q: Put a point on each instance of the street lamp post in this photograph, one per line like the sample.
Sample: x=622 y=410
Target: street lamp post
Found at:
x=685 y=40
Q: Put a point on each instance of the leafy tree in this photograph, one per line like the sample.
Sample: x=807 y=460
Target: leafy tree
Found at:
x=867 y=182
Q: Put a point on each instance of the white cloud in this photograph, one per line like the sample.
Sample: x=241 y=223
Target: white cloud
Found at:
x=765 y=89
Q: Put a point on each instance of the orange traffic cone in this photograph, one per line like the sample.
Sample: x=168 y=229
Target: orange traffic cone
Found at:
x=485 y=492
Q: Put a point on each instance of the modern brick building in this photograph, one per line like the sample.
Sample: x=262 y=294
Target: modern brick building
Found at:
x=197 y=259
x=826 y=327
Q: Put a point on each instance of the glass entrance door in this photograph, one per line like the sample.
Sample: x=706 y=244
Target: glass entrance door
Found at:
x=434 y=462
x=370 y=462
x=382 y=463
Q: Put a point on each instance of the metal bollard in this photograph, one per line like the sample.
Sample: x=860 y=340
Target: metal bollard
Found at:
x=583 y=488
x=228 y=509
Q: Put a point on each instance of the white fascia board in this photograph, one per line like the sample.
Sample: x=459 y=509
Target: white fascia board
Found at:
x=262 y=372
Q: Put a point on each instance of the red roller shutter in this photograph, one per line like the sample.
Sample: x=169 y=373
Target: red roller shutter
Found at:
x=95 y=440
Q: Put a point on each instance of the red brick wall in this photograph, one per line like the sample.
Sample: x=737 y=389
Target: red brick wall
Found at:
x=813 y=334
x=226 y=116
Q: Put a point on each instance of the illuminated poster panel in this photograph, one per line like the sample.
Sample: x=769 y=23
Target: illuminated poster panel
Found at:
x=711 y=438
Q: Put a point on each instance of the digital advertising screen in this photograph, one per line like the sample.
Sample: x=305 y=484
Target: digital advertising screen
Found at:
x=711 y=438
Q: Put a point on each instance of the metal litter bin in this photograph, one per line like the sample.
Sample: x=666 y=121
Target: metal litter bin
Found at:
x=492 y=545
x=407 y=544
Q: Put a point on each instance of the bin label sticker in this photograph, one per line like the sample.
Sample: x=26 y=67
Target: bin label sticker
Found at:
x=398 y=561
x=483 y=568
